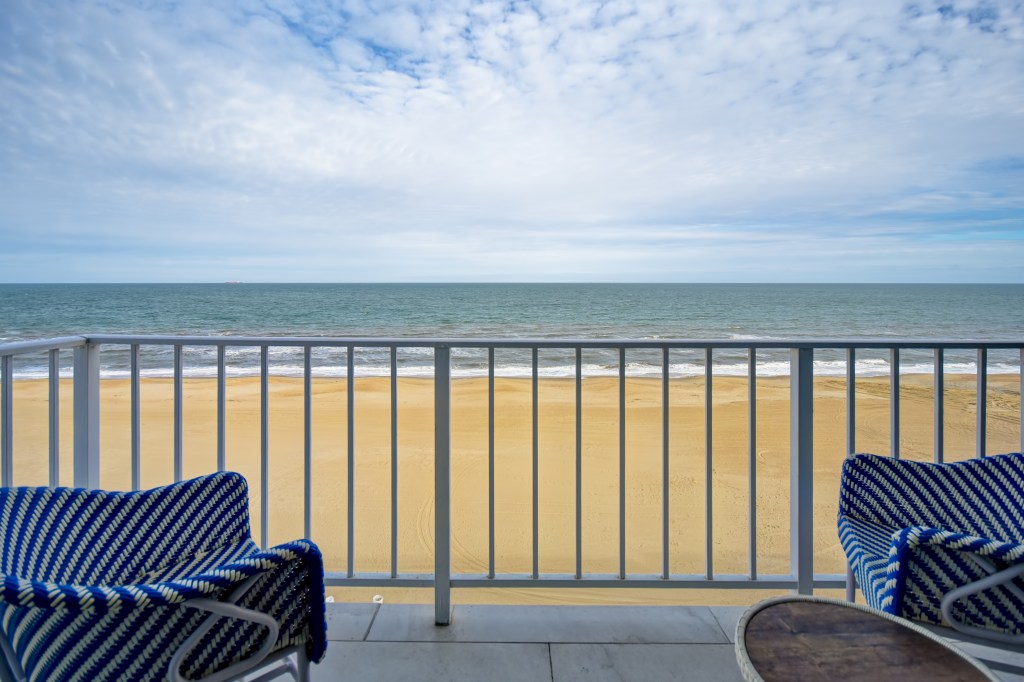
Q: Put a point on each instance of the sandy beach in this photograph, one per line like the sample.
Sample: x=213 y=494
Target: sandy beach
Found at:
x=513 y=468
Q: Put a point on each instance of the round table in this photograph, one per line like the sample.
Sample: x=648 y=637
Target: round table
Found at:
x=810 y=638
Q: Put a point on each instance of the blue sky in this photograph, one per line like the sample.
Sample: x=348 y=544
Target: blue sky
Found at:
x=205 y=140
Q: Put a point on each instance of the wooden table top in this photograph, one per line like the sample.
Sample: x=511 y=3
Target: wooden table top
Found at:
x=817 y=639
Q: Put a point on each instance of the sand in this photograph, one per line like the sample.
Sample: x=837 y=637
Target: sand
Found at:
x=513 y=471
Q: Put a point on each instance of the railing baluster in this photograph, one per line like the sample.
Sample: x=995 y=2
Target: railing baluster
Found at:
x=579 y=462
x=982 y=400
x=307 y=440
x=394 y=461
x=136 y=417
x=801 y=468
x=351 y=444
x=665 y=396
x=442 y=484
x=535 y=467
x=178 y=421
x=939 y=420
x=7 y=430
x=709 y=557
x=54 y=386
x=622 y=463
x=851 y=401
x=222 y=399
x=894 y=402
x=87 y=416
x=752 y=403
x=490 y=462
x=264 y=446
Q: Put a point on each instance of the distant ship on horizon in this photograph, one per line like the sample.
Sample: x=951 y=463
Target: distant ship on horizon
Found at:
x=233 y=281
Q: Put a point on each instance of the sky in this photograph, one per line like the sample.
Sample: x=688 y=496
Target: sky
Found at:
x=618 y=141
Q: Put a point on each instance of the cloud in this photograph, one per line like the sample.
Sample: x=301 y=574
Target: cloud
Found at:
x=551 y=138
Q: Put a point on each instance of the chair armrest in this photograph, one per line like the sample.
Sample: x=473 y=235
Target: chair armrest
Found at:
x=285 y=583
x=908 y=539
x=98 y=599
x=17 y=591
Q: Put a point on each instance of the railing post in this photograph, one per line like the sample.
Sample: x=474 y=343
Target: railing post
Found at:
x=801 y=468
x=442 y=485
x=87 y=416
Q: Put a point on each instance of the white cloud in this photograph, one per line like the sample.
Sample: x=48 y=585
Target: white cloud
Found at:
x=550 y=132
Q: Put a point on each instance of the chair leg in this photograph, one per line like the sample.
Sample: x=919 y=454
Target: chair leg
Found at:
x=297 y=669
x=851 y=586
x=301 y=665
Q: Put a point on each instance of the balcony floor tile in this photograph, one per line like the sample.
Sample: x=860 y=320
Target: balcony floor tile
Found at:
x=349 y=622
x=551 y=624
x=648 y=662
x=1007 y=665
x=428 y=661
x=728 y=618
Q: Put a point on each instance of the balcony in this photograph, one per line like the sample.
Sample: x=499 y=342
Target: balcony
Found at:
x=640 y=473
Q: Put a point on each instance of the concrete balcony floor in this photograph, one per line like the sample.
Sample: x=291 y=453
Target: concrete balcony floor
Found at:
x=548 y=644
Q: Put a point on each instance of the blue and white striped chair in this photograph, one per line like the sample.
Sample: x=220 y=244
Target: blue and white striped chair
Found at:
x=151 y=585
x=940 y=543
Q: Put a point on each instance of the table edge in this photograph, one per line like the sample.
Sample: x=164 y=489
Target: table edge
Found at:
x=751 y=674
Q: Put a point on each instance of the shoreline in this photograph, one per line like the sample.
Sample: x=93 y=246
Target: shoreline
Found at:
x=867 y=369
x=513 y=467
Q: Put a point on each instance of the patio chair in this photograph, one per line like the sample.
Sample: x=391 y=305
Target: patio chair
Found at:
x=939 y=543
x=152 y=585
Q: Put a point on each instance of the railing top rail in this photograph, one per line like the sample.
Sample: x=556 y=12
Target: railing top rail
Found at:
x=40 y=345
x=469 y=342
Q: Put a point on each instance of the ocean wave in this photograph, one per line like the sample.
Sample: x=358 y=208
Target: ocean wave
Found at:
x=417 y=361
x=677 y=370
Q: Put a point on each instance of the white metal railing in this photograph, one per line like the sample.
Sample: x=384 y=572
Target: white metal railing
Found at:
x=87 y=458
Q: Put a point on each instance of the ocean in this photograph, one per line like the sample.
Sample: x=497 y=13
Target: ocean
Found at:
x=589 y=311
